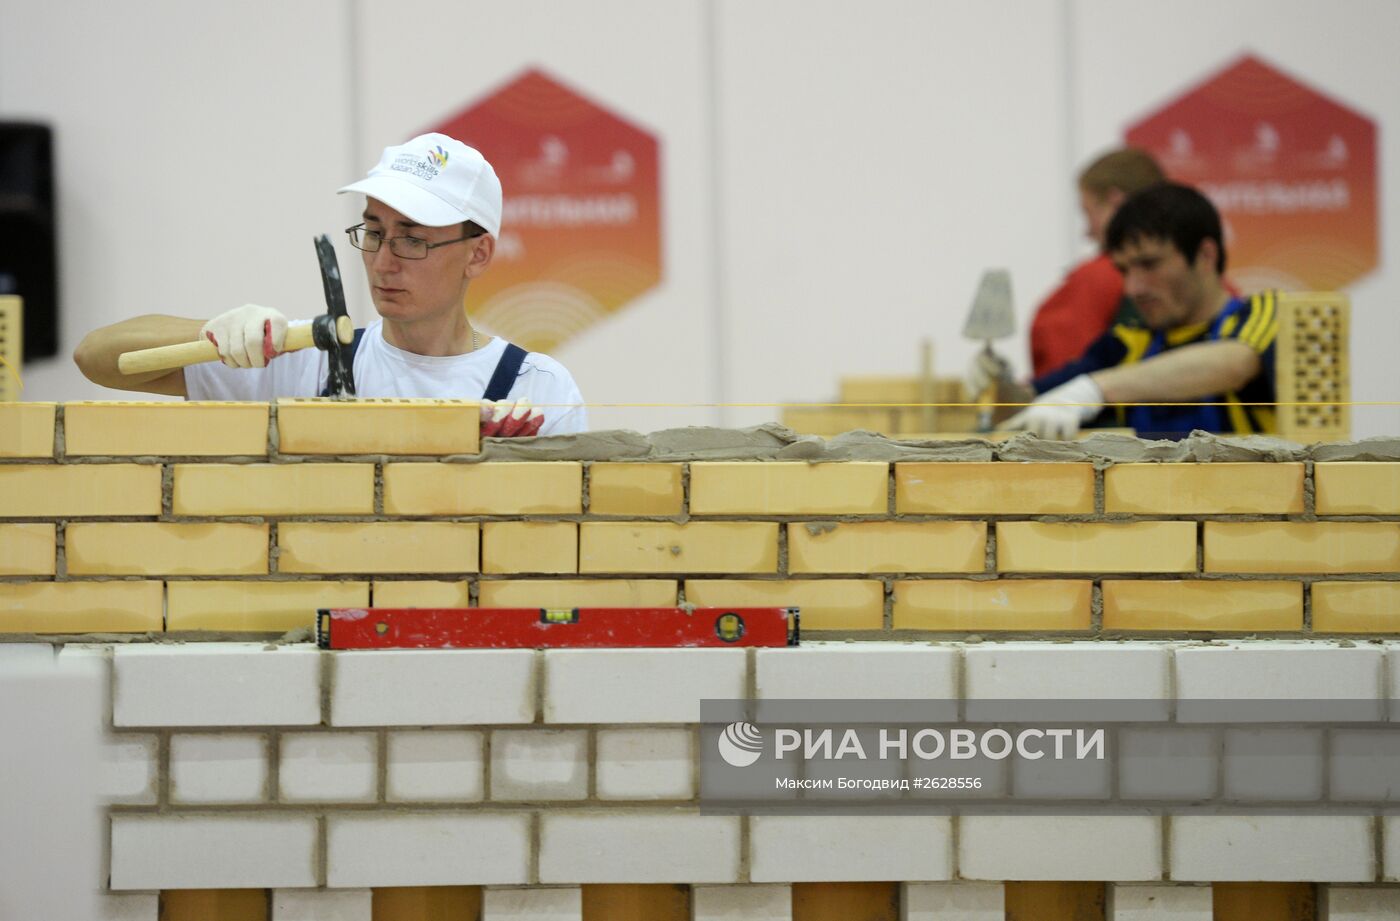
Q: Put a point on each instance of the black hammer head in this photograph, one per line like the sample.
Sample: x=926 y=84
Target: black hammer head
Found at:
x=340 y=381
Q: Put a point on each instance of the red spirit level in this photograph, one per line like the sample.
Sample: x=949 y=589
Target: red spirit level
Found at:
x=542 y=628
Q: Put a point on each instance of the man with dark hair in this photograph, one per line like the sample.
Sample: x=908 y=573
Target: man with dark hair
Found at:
x=1197 y=345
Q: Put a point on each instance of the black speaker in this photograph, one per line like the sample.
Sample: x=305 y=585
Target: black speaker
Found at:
x=28 y=232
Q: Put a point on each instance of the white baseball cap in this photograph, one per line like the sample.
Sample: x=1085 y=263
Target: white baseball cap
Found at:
x=437 y=181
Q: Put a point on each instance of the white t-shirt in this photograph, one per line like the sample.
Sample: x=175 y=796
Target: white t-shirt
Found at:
x=381 y=370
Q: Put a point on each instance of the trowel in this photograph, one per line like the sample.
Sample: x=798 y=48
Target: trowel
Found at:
x=991 y=317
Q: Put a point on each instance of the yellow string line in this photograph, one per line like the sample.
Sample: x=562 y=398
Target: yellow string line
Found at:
x=13 y=373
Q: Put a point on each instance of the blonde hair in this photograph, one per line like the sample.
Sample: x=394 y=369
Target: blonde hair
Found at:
x=1128 y=170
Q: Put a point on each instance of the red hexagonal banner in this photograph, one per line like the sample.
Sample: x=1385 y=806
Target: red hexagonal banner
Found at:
x=581 y=233
x=1292 y=171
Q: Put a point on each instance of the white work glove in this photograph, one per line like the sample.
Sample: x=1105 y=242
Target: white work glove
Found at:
x=1058 y=412
x=504 y=419
x=247 y=337
x=987 y=368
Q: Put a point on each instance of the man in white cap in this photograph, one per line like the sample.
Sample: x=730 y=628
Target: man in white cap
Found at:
x=431 y=218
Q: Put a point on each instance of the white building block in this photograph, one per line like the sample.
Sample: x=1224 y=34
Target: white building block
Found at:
x=1390 y=835
x=638 y=847
x=638 y=685
x=226 y=768
x=1128 y=902
x=434 y=767
x=1364 y=765
x=1071 y=671
x=645 y=764
x=539 y=764
x=741 y=903
x=799 y=849
x=1279 y=671
x=321 y=905
x=1168 y=763
x=864 y=671
x=329 y=767
x=1273 y=765
x=207 y=852
x=1357 y=903
x=15 y=654
x=216 y=684
x=433 y=687
x=427 y=849
x=127 y=774
x=555 y=904
x=1273 y=848
x=128 y=906
x=960 y=901
x=1027 y=847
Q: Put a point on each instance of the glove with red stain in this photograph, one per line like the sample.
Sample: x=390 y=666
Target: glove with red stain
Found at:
x=504 y=419
x=247 y=337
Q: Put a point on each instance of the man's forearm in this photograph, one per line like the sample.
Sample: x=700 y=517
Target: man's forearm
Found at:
x=1187 y=373
x=96 y=356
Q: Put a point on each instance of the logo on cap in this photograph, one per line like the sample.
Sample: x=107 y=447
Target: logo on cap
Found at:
x=438 y=156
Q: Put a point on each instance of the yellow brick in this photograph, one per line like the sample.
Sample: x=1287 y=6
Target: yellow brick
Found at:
x=1006 y=604
x=994 y=489
x=1233 y=606
x=1285 y=546
x=164 y=549
x=706 y=546
x=826 y=604
x=27 y=549
x=26 y=429
x=483 y=489
x=39 y=490
x=378 y=546
x=171 y=429
x=529 y=546
x=1139 y=546
x=263 y=607
x=635 y=489
x=420 y=594
x=849 y=488
x=326 y=426
x=1356 y=607
x=1357 y=488
x=887 y=546
x=1204 y=489
x=881 y=389
x=577 y=593
x=80 y=607
x=274 y=489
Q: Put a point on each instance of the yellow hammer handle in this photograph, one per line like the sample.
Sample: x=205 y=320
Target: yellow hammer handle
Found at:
x=192 y=353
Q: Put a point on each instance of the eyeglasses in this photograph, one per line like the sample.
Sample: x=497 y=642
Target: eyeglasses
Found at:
x=404 y=247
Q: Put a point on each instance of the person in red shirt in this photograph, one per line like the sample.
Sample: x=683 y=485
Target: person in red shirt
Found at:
x=1090 y=299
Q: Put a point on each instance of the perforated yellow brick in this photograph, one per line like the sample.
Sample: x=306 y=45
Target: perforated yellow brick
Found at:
x=149 y=548
x=420 y=594
x=1356 y=607
x=826 y=604
x=1138 y=546
x=274 y=489
x=195 y=429
x=1204 y=489
x=484 y=489
x=264 y=607
x=27 y=549
x=378 y=546
x=81 y=607
x=1006 y=604
x=887 y=546
x=1227 y=606
x=705 y=546
x=577 y=593
x=994 y=489
x=39 y=490
x=1357 y=488
x=529 y=546
x=1286 y=546
x=26 y=429
x=635 y=489
x=412 y=427
x=743 y=488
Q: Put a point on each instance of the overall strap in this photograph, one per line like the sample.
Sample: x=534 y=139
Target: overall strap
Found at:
x=507 y=369
x=349 y=351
